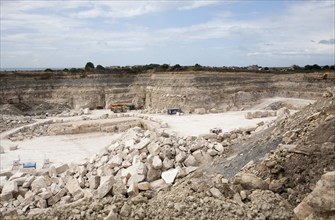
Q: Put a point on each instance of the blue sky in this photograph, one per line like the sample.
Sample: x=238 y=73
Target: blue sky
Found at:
x=53 y=33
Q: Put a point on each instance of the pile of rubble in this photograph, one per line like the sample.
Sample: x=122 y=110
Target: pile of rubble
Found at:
x=8 y=122
x=139 y=161
x=281 y=113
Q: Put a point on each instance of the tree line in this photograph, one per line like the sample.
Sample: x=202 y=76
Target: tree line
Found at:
x=90 y=67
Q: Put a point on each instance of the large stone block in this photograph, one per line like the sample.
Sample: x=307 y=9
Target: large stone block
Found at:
x=39 y=183
x=94 y=182
x=10 y=187
x=74 y=188
x=62 y=168
x=153 y=174
x=106 y=184
x=143 y=143
x=154 y=148
x=115 y=161
x=57 y=197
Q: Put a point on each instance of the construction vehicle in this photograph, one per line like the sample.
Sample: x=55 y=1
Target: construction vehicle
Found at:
x=215 y=130
x=173 y=111
x=121 y=107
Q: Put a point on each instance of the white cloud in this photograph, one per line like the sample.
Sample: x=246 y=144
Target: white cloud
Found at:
x=61 y=28
x=189 y=5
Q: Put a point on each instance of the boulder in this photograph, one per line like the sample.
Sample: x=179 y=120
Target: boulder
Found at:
x=157 y=162
x=52 y=171
x=212 y=152
x=200 y=111
x=143 y=143
x=250 y=181
x=39 y=183
x=94 y=182
x=190 y=161
x=6 y=173
x=144 y=186
x=4 y=197
x=167 y=164
x=216 y=193
x=10 y=187
x=51 y=201
x=321 y=199
x=137 y=168
x=170 y=175
x=3 y=179
x=303 y=210
x=45 y=194
x=219 y=147
x=119 y=188
x=181 y=156
x=105 y=186
x=153 y=174
x=62 y=168
x=130 y=143
x=154 y=148
x=198 y=155
x=115 y=161
x=55 y=188
x=74 y=188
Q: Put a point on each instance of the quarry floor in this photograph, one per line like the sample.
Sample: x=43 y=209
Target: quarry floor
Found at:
x=74 y=148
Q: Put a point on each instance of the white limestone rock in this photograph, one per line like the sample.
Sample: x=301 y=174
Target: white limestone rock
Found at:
x=106 y=184
x=62 y=168
x=157 y=162
x=39 y=183
x=143 y=143
x=154 y=148
x=218 y=147
x=115 y=161
x=94 y=182
x=170 y=175
x=74 y=188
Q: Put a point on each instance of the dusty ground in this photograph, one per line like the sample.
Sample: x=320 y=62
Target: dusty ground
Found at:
x=73 y=148
x=58 y=149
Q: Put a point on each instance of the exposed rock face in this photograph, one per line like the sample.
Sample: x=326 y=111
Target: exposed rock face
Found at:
x=222 y=91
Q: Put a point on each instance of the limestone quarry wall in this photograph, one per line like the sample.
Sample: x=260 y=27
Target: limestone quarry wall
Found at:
x=156 y=91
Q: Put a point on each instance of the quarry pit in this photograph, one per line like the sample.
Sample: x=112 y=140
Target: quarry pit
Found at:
x=64 y=124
